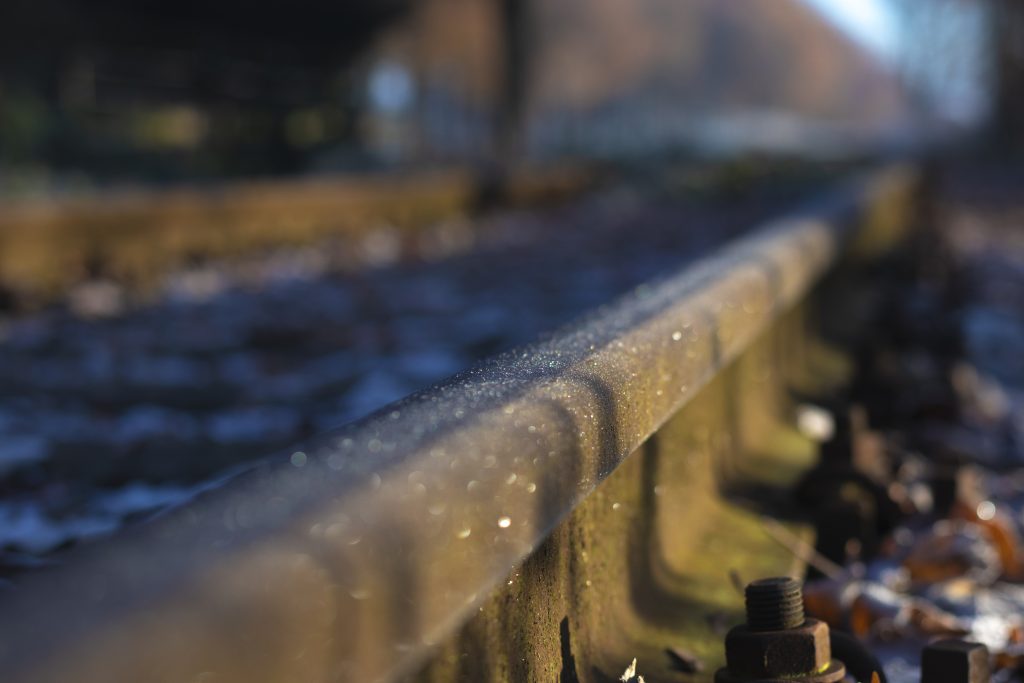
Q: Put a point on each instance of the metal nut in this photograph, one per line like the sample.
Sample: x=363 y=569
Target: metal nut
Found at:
x=768 y=654
x=778 y=643
x=955 y=661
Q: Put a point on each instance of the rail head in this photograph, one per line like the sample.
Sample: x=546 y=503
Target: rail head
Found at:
x=352 y=557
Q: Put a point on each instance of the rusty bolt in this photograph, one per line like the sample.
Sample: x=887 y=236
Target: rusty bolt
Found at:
x=774 y=604
x=778 y=642
x=955 y=661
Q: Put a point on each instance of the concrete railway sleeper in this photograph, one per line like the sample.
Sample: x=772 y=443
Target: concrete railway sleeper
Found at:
x=549 y=515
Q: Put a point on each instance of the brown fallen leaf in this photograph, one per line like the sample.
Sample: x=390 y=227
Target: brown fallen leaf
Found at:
x=950 y=550
x=823 y=599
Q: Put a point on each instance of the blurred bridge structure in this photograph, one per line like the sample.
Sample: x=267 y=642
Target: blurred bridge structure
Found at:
x=175 y=90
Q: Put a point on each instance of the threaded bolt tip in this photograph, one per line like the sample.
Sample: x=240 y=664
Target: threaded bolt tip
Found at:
x=774 y=604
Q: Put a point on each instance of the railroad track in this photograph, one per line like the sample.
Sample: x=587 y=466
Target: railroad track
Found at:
x=138 y=237
x=548 y=515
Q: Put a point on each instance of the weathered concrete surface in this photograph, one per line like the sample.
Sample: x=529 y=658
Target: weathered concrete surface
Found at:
x=370 y=547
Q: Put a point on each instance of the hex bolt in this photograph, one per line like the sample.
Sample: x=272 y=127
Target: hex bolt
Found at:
x=955 y=661
x=778 y=642
x=774 y=604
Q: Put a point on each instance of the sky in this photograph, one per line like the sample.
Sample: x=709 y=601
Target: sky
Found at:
x=953 y=76
x=869 y=22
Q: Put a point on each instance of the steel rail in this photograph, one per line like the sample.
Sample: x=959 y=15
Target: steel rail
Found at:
x=353 y=557
x=139 y=236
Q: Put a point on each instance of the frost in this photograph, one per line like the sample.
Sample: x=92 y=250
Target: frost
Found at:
x=16 y=451
x=253 y=424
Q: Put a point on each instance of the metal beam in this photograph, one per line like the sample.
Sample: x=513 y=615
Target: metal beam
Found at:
x=355 y=556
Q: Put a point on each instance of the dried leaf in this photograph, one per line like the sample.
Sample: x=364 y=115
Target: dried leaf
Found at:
x=630 y=672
